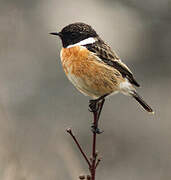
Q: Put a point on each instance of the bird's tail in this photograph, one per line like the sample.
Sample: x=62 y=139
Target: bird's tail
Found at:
x=138 y=98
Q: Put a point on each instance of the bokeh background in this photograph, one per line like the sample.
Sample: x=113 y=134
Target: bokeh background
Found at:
x=37 y=102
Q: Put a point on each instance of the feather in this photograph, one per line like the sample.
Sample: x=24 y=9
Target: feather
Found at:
x=104 y=52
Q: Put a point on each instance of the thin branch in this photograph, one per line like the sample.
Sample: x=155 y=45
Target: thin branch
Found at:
x=79 y=147
x=94 y=154
x=93 y=162
x=98 y=161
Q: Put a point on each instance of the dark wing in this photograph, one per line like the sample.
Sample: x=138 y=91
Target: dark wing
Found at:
x=104 y=52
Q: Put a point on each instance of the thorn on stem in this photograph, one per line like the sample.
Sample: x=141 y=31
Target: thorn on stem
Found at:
x=68 y=130
x=98 y=161
x=97 y=152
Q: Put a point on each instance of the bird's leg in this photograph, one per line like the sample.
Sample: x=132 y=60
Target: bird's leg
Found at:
x=96 y=107
x=94 y=103
x=95 y=124
x=100 y=108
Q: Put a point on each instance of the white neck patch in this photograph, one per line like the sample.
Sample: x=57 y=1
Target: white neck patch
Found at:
x=89 y=40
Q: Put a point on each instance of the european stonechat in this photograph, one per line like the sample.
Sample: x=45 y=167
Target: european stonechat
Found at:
x=94 y=69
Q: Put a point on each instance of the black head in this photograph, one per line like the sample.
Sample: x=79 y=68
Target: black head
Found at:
x=74 y=33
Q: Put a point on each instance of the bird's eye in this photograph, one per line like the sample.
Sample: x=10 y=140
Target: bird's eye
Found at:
x=74 y=35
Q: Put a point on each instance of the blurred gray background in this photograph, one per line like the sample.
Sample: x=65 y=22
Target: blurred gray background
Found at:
x=37 y=102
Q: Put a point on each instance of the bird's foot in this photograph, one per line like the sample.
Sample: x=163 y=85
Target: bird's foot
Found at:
x=93 y=105
x=96 y=130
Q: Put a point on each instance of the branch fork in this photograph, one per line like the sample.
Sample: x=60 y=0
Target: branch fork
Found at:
x=93 y=161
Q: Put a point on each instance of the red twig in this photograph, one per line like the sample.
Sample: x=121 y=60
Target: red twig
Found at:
x=79 y=147
x=93 y=162
x=98 y=161
x=94 y=154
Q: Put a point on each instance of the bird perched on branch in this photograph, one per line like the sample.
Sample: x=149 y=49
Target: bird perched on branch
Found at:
x=93 y=68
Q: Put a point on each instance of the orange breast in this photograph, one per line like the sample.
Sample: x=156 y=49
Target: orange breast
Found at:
x=87 y=73
x=73 y=57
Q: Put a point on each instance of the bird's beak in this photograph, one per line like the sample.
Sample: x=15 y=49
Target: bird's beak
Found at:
x=56 y=34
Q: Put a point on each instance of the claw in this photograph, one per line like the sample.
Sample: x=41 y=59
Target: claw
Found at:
x=96 y=130
x=93 y=106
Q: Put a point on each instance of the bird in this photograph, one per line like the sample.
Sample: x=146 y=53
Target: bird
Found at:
x=93 y=67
